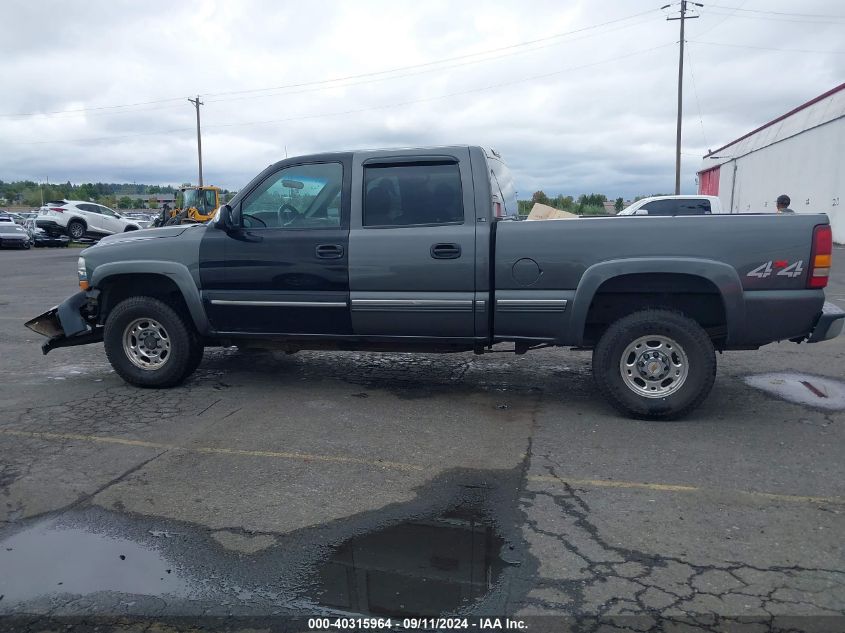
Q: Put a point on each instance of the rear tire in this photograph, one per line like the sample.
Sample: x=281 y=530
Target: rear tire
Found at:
x=76 y=229
x=654 y=364
x=149 y=344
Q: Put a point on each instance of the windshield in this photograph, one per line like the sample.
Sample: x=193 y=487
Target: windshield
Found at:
x=203 y=200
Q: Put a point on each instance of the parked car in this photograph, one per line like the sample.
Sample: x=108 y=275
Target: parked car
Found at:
x=144 y=220
x=7 y=218
x=412 y=250
x=78 y=219
x=13 y=235
x=674 y=205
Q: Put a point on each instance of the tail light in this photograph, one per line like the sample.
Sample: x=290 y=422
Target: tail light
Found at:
x=57 y=209
x=820 y=256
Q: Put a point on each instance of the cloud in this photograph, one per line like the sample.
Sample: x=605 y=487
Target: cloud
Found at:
x=601 y=120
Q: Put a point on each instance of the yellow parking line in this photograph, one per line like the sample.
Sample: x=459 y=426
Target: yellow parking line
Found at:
x=340 y=459
x=612 y=483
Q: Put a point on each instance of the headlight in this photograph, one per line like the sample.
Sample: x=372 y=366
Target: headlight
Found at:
x=82 y=273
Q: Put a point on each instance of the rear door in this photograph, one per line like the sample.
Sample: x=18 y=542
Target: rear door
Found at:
x=93 y=218
x=412 y=245
x=285 y=271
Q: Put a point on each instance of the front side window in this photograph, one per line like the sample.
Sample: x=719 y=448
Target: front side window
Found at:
x=406 y=195
x=661 y=207
x=298 y=197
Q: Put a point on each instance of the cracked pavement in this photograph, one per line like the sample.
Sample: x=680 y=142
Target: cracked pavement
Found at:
x=255 y=470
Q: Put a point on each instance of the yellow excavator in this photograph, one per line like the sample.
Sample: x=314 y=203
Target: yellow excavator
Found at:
x=193 y=205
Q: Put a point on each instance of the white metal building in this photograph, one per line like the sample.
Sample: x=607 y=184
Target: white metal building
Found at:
x=800 y=154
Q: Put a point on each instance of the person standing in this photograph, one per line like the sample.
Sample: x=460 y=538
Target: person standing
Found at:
x=783 y=204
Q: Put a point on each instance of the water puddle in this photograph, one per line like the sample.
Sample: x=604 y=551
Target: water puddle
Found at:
x=423 y=568
x=50 y=559
x=814 y=391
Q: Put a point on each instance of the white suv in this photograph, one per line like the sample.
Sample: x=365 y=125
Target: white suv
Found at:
x=78 y=219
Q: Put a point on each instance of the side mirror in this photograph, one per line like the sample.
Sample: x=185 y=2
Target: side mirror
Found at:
x=226 y=219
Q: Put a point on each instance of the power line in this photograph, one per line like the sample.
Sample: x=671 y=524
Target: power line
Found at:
x=405 y=75
x=351 y=77
x=627 y=55
x=773 y=18
x=722 y=21
x=318 y=88
x=768 y=48
x=109 y=107
x=697 y=102
x=806 y=15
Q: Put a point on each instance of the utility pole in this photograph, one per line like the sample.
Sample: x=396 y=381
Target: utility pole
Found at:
x=683 y=17
x=197 y=103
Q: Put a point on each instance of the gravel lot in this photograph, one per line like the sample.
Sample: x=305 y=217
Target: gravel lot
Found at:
x=325 y=483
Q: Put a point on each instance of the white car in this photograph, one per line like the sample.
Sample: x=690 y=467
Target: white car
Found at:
x=674 y=205
x=78 y=219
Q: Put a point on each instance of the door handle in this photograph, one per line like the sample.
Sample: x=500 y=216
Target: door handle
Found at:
x=445 y=251
x=329 y=251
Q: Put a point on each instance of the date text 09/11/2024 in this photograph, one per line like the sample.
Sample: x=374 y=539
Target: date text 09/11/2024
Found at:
x=357 y=624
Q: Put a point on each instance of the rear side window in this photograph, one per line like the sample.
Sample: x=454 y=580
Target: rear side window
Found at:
x=412 y=194
x=502 y=186
x=661 y=207
x=698 y=206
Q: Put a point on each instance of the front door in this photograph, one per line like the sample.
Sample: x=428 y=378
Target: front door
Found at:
x=285 y=270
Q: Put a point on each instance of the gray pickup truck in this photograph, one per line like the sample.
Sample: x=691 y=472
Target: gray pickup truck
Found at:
x=417 y=250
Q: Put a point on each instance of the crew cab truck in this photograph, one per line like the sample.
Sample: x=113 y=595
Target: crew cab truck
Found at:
x=415 y=250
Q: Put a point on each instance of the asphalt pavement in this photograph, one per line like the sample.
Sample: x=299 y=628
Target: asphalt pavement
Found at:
x=398 y=485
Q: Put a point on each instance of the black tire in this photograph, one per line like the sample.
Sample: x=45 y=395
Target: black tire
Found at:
x=183 y=356
x=76 y=229
x=666 y=324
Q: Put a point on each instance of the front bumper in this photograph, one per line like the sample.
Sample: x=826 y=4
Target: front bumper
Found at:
x=15 y=242
x=65 y=326
x=829 y=325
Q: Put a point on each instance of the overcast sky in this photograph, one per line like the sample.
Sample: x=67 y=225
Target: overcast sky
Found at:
x=589 y=106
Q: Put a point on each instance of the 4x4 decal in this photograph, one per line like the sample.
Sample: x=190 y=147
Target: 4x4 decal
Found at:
x=785 y=269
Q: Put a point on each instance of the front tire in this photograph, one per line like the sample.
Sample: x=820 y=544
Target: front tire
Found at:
x=654 y=364
x=149 y=344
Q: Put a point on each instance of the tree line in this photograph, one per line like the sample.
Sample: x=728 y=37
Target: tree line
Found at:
x=585 y=204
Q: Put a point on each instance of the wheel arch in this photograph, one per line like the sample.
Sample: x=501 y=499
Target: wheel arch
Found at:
x=668 y=277
x=76 y=218
x=168 y=280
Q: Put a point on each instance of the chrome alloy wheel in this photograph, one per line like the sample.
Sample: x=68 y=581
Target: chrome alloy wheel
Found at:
x=654 y=366
x=146 y=343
